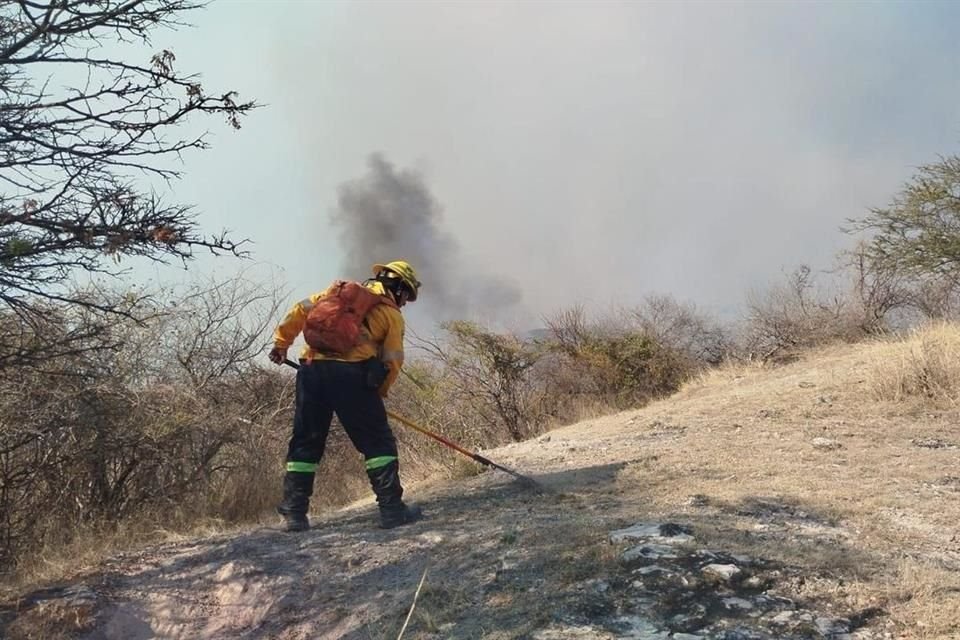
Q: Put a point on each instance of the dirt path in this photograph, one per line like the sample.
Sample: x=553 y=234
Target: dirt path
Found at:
x=705 y=516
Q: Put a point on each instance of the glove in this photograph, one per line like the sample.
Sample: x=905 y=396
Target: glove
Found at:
x=278 y=355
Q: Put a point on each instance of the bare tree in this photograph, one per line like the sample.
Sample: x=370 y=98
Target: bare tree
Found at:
x=219 y=327
x=77 y=156
x=785 y=316
x=569 y=329
x=103 y=435
x=878 y=288
x=683 y=328
x=799 y=313
x=489 y=371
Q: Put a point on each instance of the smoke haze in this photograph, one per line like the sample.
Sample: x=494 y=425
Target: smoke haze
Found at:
x=586 y=152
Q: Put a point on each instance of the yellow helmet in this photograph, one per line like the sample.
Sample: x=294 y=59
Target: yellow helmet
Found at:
x=406 y=273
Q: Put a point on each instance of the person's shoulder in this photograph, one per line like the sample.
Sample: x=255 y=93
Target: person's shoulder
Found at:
x=321 y=293
x=389 y=312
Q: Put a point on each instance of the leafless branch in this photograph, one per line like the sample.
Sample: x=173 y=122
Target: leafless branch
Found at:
x=76 y=160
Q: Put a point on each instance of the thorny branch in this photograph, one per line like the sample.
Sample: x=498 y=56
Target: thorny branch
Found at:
x=76 y=158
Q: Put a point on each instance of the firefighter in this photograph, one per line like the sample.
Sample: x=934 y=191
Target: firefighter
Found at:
x=351 y=382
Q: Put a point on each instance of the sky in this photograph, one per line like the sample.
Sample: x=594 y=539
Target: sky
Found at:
x=571 y=153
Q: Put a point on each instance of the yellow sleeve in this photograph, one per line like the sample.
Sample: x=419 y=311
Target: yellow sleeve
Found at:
x=292 y=323
x=389 y=321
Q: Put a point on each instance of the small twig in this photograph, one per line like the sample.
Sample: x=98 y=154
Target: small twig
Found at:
x=409 y=376
x=413 y=604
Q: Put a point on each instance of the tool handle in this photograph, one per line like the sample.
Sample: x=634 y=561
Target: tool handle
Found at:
x=439 y=438
x=484 y=461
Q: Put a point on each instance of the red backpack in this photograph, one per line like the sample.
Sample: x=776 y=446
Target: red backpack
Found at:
x=334 y=324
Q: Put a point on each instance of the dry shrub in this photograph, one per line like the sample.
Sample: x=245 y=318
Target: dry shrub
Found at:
x=627 y=358
x=698 y=337
x=93 y=441
x=800 y=314
x=925 y=365
x=470 y=385
x=486 y=373
x=483 y=388
x=865 y=296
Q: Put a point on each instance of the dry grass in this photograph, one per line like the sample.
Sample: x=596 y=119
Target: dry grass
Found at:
x=51 y=621
x=927 y=600
x=924 y=366
x=441 y=604
x=730 y=372
x=872 y=517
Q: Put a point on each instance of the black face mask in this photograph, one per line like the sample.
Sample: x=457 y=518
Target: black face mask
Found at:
x=394 y=286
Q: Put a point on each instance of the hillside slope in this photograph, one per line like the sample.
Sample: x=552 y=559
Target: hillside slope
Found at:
x=757 y=503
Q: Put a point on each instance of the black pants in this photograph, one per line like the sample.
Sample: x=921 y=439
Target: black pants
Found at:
x=325 y=387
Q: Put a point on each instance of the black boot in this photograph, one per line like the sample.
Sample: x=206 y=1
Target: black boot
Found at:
x=386 y=484
x=297 y=489
x=404 y=514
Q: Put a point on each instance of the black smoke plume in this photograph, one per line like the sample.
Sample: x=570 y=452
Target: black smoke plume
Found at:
x=390 y=214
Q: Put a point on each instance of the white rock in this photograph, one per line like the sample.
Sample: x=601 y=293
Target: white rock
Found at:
x=648 y=531
x=737 y=603
x=650 y=551
x=724 y=572
x=572 y=633
x=433 y=538
x=784 y=617
x=641 y=629
x=653 y=568
x=639 y=530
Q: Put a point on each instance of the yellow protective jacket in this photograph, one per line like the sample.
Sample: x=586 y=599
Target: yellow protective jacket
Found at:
x=382 y=331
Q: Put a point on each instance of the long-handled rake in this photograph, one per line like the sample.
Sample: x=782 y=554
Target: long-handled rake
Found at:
x=526 y=480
